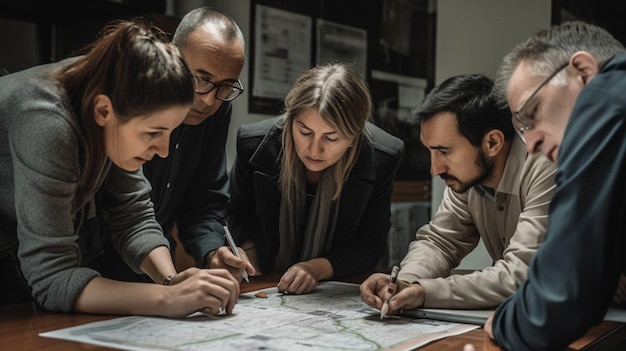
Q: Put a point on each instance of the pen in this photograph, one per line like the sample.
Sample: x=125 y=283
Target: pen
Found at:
x=390 y=290
x=233 y=248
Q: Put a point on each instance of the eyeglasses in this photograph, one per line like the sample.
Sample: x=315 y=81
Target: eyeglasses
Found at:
x=225 y=92
x=523 y=123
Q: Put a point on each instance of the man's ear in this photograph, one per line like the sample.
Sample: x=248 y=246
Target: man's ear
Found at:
x=102 y=109
x=493 y=142
x=585 y=64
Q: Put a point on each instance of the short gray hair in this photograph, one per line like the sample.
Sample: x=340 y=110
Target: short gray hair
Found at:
x=552 y=47
x=195 y=18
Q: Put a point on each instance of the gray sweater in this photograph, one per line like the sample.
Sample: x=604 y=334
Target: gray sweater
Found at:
x=41 y=207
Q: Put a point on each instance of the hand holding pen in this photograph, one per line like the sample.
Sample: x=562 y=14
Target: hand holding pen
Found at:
x=391 y=289
x=233 y=247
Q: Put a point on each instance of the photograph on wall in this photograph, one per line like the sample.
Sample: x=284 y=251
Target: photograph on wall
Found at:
x=339 y=42
x=282 y=51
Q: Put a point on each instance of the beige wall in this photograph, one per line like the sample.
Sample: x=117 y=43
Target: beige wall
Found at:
x=472 y=37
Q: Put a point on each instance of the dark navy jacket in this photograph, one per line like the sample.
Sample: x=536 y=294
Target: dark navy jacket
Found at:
x=573 y=276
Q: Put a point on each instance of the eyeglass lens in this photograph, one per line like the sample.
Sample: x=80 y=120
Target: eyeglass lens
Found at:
x=523 y=123
x=224 y=92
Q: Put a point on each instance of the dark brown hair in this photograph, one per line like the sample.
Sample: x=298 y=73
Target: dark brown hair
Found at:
x=133 y=64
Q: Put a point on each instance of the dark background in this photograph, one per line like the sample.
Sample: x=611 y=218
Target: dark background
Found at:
x=64 y=26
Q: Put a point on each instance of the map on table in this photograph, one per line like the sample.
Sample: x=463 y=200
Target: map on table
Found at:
x=333 y=317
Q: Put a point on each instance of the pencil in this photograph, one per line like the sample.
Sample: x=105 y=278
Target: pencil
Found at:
x=233 y=248
x=391 y=289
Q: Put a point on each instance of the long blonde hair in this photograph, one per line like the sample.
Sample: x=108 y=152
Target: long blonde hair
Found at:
x=343 y=100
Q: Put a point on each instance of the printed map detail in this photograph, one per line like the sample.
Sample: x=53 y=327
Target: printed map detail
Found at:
x=333 y=317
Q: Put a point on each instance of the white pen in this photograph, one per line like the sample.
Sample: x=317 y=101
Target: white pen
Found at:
x=233 y=248
x=391 y=289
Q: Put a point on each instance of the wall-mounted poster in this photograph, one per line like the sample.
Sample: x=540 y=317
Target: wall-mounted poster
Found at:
x=339 y=42
x=282 y=51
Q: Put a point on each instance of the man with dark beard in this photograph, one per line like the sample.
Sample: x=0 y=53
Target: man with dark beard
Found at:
x=495 y=191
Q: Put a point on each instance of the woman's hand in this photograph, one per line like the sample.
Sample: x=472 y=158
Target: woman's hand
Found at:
x=299 y=279
x=211 y=291
x=302 y=277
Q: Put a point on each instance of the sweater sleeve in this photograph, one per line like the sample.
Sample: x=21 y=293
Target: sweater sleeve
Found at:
x=45 y=153
x=129 y=214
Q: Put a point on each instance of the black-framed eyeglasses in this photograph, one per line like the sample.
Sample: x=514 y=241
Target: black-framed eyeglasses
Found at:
x=225 y=92
x=523 y=123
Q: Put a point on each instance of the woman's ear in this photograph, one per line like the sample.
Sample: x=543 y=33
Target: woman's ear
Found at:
x=102 y=109
x=493 y=142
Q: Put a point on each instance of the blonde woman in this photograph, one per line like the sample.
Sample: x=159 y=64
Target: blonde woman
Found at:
x=311 y=189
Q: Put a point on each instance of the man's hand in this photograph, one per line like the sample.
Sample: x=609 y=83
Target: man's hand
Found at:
x=488 y=326
x=489 y=342
x=374 y=291
x=224 y=258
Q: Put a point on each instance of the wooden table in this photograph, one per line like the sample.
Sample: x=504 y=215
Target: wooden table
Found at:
x=21 y=324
